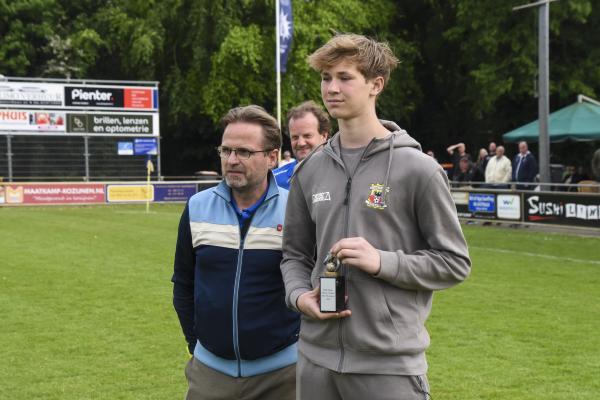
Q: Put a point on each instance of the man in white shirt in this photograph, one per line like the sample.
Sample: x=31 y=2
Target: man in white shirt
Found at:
x=499 y=168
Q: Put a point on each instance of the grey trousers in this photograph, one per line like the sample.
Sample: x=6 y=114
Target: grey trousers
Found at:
x=205 y=383
x=318 y=383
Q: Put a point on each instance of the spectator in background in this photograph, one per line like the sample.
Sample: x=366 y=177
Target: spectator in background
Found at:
x=579 y=175
x=573 y=176
x=287 y=158
x=596 y=165
x=457 y=151
x=308 y=127
x=524 y=167
x=568 y=178
x=465 y=172
x=498 y=170
x=431 y=154
x=479 y=168
x=492 y=149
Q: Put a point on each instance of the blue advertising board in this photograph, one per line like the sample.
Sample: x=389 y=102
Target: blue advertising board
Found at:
x=482 y=203
x=125 y=148
x=146 y=146
x=174 y=191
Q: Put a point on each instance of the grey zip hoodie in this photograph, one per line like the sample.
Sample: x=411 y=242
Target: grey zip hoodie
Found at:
x=398 y=200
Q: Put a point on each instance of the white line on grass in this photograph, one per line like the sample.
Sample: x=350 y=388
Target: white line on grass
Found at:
x=546 y=256
x=137 y=212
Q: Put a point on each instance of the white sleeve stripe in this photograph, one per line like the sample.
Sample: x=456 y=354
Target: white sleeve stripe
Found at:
x=205 y=233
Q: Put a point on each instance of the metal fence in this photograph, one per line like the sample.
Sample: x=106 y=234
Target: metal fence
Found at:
x=584 y=186
x=69 y=158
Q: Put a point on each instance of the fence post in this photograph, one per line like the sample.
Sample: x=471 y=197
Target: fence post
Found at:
x=9 y=155
x=86 y=155
x=158 y=172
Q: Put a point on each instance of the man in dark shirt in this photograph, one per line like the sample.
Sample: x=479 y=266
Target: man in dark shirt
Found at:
x=524 y=167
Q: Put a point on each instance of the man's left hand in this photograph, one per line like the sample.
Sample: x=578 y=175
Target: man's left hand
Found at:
x=359 y=253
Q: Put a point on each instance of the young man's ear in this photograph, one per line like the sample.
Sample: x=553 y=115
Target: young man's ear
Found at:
x=378 y=84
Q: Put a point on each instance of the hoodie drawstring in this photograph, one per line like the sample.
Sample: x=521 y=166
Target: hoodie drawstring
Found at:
x=390 y=157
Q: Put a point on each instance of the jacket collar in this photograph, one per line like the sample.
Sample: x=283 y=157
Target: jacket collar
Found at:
x=222 y=189
x=521 y=155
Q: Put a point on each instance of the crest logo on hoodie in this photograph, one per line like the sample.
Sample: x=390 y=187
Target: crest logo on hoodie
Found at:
x=378 y=196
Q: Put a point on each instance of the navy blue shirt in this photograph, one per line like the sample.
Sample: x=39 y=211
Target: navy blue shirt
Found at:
x=244 y=216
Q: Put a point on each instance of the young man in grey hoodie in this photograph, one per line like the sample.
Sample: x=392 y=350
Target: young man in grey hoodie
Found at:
x=372 y=199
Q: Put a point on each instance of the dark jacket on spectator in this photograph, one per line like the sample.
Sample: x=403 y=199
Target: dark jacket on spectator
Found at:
x=524 y=168
x=479 y=170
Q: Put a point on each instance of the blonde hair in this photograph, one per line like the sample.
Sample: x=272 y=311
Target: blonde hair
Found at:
x=372 y=58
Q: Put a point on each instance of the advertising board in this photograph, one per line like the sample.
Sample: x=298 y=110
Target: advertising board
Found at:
x=174 y=191
x=113 y=124
x=78 y=96
x=32 y=120
x=16 y=94
x=508 y=206
x=129 y=193
x=114 y=97
x=27 y=122
x=478 y=205
x=562 y=209
x=143 y=147
x=52 y=193
x=125 y=148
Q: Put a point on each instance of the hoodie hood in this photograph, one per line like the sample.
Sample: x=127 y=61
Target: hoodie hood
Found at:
x=397 y=137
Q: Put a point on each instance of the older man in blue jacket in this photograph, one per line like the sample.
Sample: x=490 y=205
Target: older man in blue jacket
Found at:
x=228 y=290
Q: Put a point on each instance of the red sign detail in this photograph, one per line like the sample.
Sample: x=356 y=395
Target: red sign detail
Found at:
x=8 y=115
x=541 y=218
x=138 y=98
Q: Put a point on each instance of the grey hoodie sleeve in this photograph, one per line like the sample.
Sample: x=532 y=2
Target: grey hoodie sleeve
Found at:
x=299 y=242
x=446 y=262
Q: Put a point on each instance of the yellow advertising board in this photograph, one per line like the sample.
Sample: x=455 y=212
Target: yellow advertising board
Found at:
x=130 y=193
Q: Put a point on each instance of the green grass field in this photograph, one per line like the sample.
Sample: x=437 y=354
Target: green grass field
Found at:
x=85 y=302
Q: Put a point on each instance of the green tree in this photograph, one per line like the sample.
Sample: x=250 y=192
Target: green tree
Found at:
x=223 y=56
x=25 y=26
x=468 y=68
x=477 y=65
x=242 y=69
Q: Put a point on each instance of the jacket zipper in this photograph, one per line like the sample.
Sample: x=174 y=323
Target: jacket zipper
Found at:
x=236 y=289
x=346 y=233
x=347 y=198
x=345 y=268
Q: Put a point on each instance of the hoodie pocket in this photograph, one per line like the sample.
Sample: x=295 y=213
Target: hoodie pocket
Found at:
x=323 y=333
x=384 y=318
x=370 y=327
